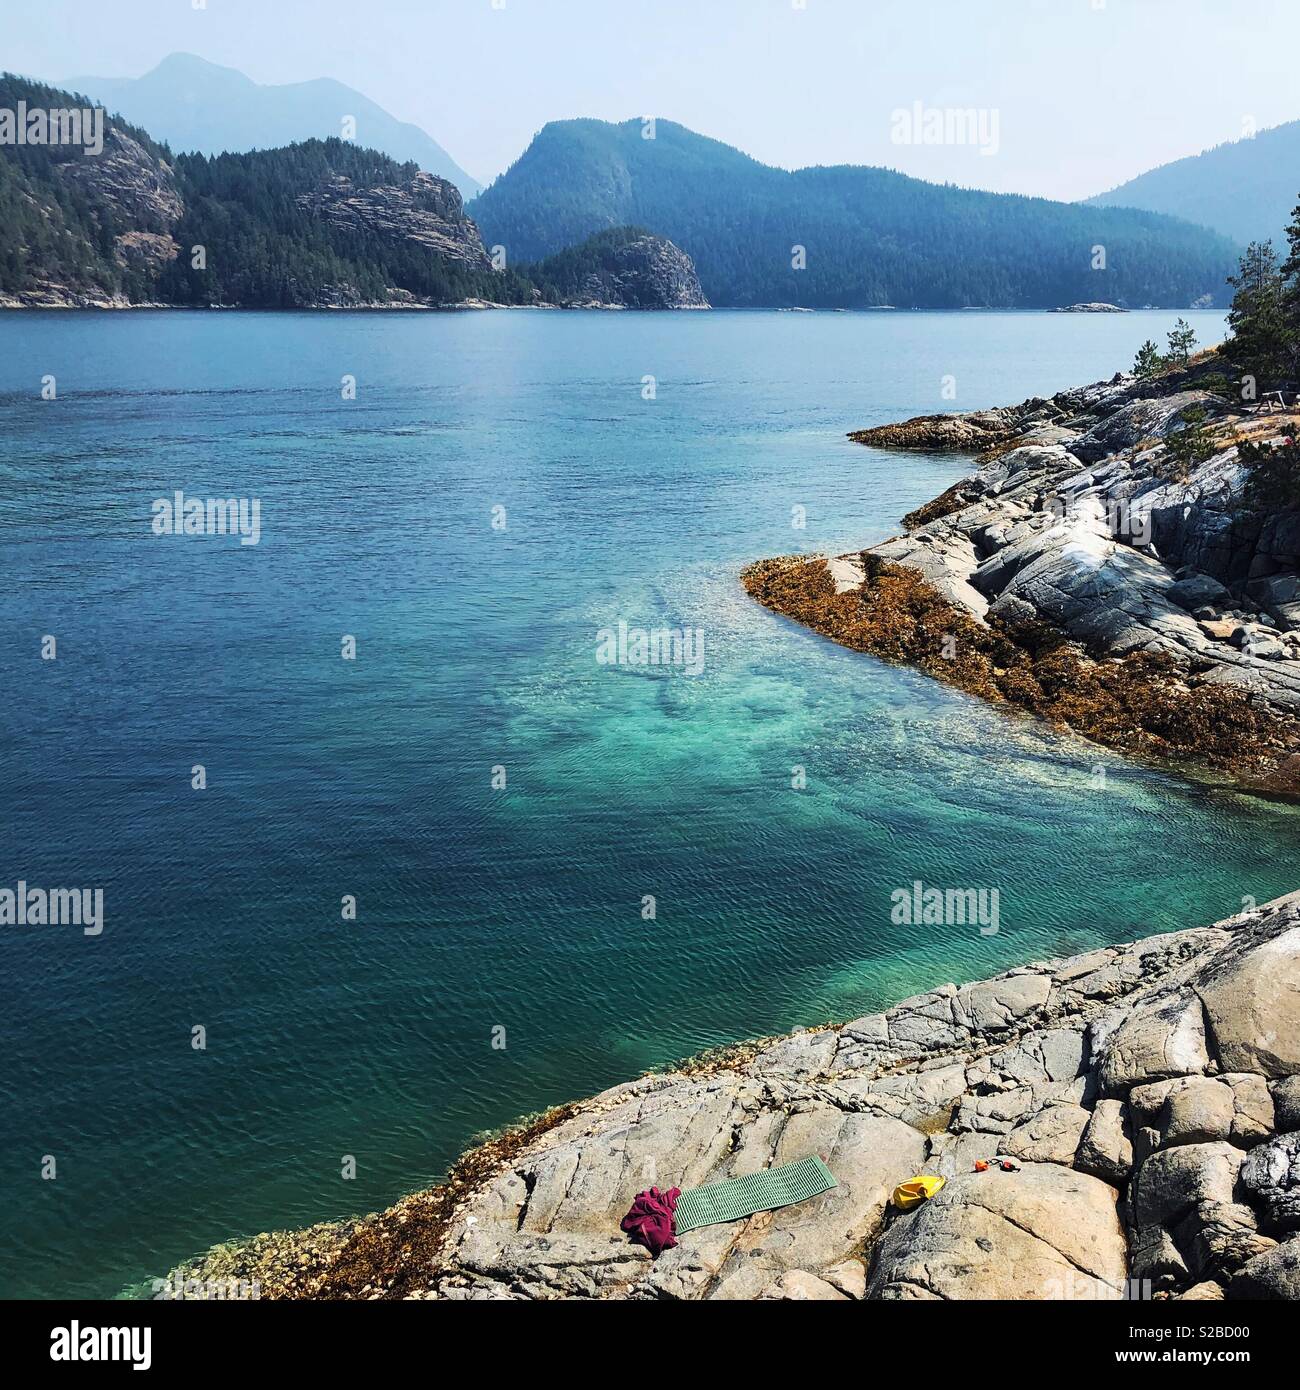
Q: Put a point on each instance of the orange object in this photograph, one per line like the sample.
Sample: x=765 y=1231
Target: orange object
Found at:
x=981 y=1166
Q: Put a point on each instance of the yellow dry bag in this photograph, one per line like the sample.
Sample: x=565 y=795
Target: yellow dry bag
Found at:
x=912 y=1193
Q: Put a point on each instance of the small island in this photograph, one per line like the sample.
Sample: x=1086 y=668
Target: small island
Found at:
x=1096 y=307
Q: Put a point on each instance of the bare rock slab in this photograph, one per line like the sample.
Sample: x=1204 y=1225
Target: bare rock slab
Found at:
x=1045 y=1232
x=1252 y=1004
x=1171 y=1182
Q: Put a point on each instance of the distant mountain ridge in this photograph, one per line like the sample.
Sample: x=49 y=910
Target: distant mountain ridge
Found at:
x=317 y=224
x=196 y=106
x=1244 y=190
x=590 y=214
x=860 y=236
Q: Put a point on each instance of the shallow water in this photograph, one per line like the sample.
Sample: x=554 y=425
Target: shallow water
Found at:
x=481 y=909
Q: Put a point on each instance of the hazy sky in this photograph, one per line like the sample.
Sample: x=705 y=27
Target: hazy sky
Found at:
x=1087 y=92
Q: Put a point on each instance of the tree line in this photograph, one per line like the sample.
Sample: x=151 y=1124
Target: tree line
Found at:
x=1263 y=353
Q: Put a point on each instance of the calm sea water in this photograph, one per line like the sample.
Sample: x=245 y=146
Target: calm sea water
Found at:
x=479 y=908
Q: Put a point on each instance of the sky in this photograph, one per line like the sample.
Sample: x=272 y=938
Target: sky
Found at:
x=1077 y=95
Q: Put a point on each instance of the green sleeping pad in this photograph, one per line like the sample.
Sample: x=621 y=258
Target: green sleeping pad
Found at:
x=765 y=1190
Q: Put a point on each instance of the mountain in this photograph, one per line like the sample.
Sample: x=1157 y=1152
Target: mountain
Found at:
x=76 y=227
x=1245 y=190
x=318 y=224
x=871 y=236
x=195 y=105
x=625 y=268
x=323 y=223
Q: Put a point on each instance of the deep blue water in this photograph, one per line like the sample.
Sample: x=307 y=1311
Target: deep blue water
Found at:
x=479 y=908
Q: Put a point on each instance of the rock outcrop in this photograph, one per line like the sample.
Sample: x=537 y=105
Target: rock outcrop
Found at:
x=425 y=210
x=977 y=1239
x=1137 y=1088
x=647 y=273
x=969 y=432
x=128 y=186
x=621 y=268
x=1093 y=306
x=1100 y=536
x=139 y=188
x=1038 y=420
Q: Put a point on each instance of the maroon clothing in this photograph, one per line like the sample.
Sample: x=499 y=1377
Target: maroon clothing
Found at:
x=650 y=1221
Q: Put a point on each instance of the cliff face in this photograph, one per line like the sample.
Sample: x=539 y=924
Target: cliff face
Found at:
x=622 y=268
x=132 y=198
x=137 y=187
x=425 y=210
x=648 y=273
x=1149 y=1095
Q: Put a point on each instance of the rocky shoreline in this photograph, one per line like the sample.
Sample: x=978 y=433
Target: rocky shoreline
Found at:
x=1148 y=1096
x=1087 y=548
x=66 y=299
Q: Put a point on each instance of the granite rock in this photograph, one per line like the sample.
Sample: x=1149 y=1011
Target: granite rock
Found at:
x=1126 y=1167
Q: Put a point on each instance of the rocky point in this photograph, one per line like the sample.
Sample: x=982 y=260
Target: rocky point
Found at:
x=1147 y=1097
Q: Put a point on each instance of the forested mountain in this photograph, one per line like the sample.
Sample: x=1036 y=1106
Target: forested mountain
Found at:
x=1245 y=190
x=325 y=222
x=331 y=223
x=199 y=107
x=321 y=223
x=870 y=236
x=57 y=225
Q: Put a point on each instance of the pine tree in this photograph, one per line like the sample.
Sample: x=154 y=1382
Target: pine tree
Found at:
x=1148 y=362
x=1189 y=446
x=1289 y=309
x=1258 y=346
x=1182 y=339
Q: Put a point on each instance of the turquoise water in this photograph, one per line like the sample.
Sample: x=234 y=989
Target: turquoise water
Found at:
x=478 y=908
